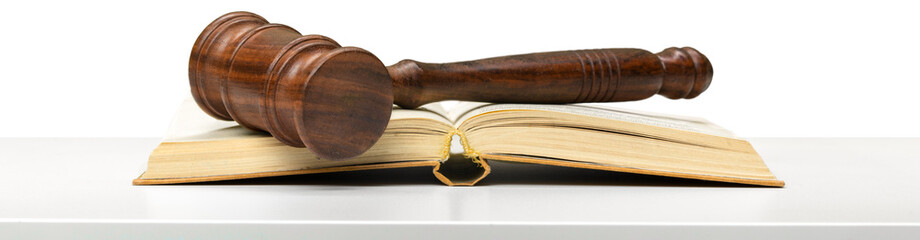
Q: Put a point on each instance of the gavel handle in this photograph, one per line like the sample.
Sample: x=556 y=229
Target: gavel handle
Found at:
x=599 y=75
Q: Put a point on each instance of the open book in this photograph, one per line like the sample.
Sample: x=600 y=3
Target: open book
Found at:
x=199 y=148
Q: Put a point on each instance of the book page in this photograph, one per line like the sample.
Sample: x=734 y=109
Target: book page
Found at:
x=462 y=108
x=697 y=125
x=433 y=111
x=434 y=107
x=192 y=124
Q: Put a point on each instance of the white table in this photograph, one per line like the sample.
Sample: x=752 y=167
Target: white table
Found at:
x=836 y=188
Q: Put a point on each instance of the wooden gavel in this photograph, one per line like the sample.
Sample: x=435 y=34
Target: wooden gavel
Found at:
x=308 y=91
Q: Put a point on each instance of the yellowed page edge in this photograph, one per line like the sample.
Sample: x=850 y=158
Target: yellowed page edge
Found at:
x=158 y=181
x=562 y=163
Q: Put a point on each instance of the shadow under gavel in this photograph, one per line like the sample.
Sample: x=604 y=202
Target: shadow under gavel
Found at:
x=308 y=91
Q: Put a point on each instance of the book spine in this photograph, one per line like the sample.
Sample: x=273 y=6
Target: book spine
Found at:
x=447 y=175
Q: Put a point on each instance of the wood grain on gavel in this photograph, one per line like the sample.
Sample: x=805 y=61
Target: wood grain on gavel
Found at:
x=308 y=91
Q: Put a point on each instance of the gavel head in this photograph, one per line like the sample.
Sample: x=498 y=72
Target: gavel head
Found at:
x=306 y=90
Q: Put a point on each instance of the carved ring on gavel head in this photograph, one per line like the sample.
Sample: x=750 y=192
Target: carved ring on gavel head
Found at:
x=308 y=91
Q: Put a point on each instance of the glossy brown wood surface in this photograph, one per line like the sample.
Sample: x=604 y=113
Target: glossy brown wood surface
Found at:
x=598 y=75
x=308 y=91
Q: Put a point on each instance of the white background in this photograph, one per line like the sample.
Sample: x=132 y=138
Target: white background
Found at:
x=782 y=68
